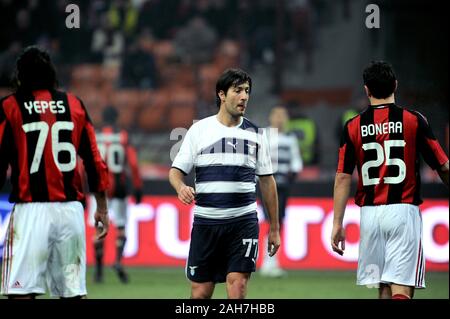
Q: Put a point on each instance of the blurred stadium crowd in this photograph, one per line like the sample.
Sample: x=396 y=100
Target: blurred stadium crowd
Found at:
x=157 y=61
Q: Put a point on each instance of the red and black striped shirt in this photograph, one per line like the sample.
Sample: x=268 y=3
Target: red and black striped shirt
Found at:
x=121 y=158
x=384 y=143
x=41 y=134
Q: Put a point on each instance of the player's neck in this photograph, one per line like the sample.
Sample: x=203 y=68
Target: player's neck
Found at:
x=388 y=100
x=227 y=119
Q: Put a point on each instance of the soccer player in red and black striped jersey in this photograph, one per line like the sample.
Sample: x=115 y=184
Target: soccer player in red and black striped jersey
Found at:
x=121 y=158
x=384 y=142
x=42 y=130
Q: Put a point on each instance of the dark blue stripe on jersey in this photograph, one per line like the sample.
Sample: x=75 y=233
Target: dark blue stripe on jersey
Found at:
x=210 y=221
x=222 y=173
x=65 y=136
x=230 y=145
x=396 y=190
x=38 y=180
x=367 y=117
x=225 y=200
x=285 y=148
x=284 y=161
x=249 y=126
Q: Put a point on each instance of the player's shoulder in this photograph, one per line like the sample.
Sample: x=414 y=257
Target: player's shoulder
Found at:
x=7 y=98
x=420 y=117
x=247 y=124
x=202 y=124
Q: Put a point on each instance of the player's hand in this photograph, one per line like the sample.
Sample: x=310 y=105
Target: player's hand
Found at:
x=274 y=242
x=186 y=194
x=338 y=239
x=101 y=223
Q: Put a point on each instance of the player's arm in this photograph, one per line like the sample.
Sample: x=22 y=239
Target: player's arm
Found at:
x=342 y=184
x=186 y=194
x=268 y=189
x=182 y=165
x=443 y=173
x=97 y=174
x=430 y=149
x=5 y=146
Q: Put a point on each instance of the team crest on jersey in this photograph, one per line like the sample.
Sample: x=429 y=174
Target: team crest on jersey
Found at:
x=192 y=270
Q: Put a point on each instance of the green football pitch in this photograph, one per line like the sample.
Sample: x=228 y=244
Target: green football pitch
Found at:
x=157 y=283
x=170 y=283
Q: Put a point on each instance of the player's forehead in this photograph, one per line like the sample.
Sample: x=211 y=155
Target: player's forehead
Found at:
x=243 y=86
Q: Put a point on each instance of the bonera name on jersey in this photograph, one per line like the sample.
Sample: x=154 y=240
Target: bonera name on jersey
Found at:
x=381 y=128
x=42 y=106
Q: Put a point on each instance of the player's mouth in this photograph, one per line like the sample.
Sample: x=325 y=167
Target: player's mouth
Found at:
x=241 y=107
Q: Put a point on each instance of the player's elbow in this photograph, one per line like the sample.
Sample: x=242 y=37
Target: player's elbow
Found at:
x=342 y=179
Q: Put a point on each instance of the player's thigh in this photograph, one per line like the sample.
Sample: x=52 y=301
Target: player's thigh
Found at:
x=204 y=253
x=26 y=249
x=241 y=246
x=67 y=262
x=404 y=260
x=371 y=247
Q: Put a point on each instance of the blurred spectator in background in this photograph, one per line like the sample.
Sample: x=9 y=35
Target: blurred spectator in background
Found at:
x=138 y=65
x=359 y=105
x=287 y=163
x=195 y=43
x=121 y=159
x=107 y=43
x=300 y=16
x=7 y=61
x=123 y=16
x=305 y=129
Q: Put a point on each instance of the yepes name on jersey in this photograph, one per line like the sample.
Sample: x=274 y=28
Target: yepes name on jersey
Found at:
x=43 y=106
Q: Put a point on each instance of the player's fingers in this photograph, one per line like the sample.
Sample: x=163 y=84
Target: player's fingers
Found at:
x=187 y=194
x=184 y=199
x=102 y=233
x=343 y=244
x=274 y=250
x=336 y=248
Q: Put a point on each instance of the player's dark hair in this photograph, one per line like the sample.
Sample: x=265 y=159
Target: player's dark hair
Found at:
x=231 y=77
x=34 y=70
x=110 y=115
x=379 y=77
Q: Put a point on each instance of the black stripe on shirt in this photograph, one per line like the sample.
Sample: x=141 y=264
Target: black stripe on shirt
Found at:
x=38 y=180
x=367 y=117
x=396 y=190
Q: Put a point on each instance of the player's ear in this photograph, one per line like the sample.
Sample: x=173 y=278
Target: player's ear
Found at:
x=396 y=85
x=221 y=96
x=367 y=90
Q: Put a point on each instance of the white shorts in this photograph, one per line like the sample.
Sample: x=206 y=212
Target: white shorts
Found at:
x=390 y=248
x=118 y=211
x=45 y=248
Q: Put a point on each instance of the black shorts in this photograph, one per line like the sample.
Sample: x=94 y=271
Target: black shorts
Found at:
x=219 y=249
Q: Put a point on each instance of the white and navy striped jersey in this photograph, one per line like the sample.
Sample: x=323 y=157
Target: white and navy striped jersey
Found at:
x=226 y=162
x=286 y=157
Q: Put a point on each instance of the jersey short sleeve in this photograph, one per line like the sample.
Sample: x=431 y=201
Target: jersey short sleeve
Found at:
x=263 y=161
x=184 y=160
